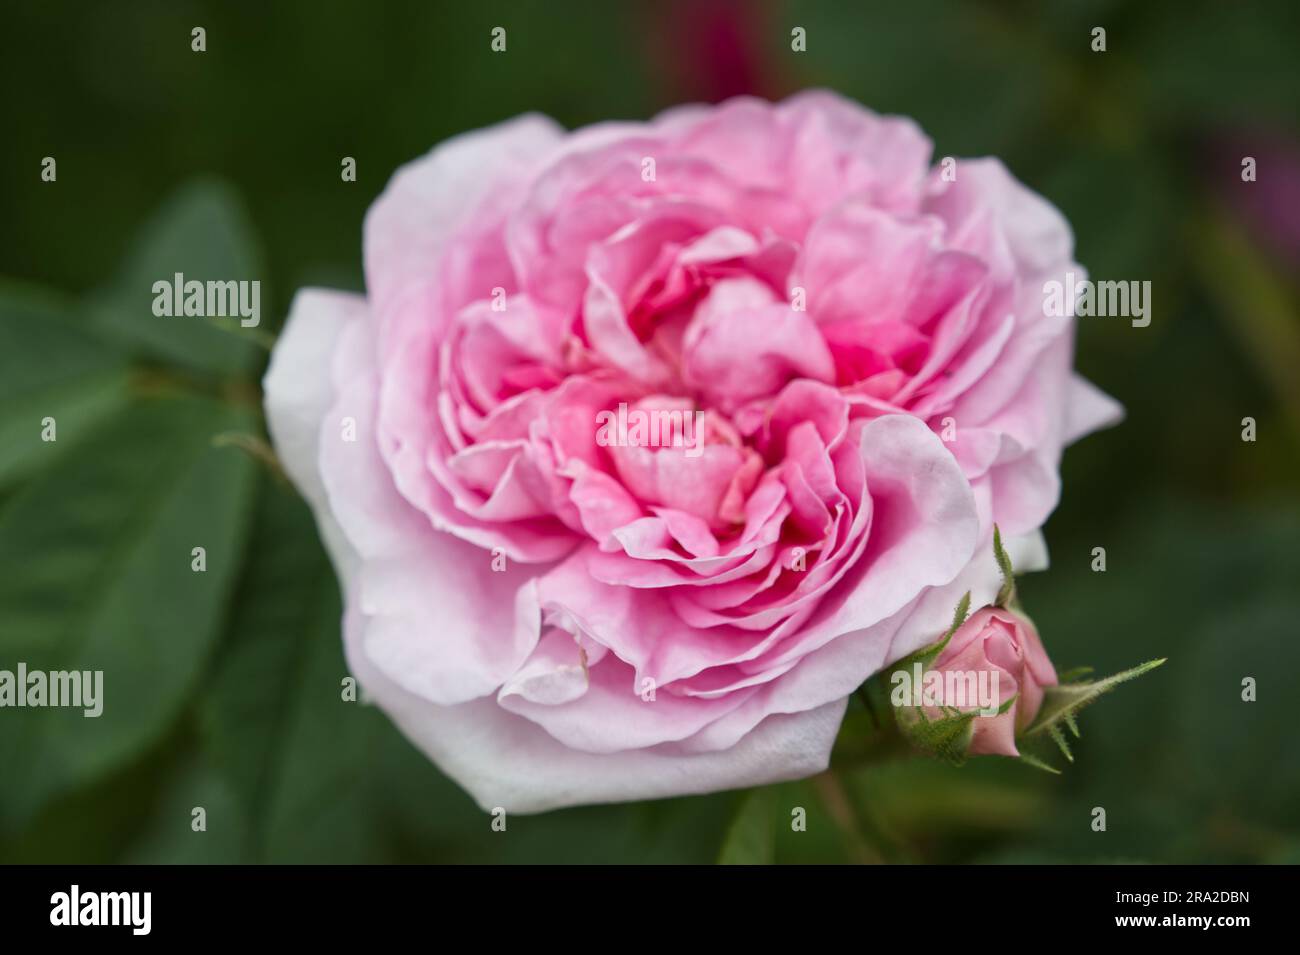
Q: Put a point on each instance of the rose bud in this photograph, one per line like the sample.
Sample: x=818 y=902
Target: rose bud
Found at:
x=996 y=653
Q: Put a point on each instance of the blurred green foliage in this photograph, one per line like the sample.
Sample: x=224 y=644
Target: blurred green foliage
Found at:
x=225 y=685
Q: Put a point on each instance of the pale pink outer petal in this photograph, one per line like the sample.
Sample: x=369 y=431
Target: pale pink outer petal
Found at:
x=298 y=389
x=505 y=761
x=436 y=617
x=1090 y=409
x=428 y=199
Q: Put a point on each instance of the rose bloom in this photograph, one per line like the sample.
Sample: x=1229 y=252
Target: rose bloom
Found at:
x=557 y=620
x=1006 y=646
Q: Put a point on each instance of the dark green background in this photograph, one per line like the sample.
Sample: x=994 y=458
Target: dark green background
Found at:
x=222 y=687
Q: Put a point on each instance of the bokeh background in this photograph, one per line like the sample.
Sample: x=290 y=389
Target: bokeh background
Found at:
x=223 y=688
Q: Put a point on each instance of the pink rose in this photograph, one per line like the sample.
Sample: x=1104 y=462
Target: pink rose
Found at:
x=1001 y=649
x=558 y=610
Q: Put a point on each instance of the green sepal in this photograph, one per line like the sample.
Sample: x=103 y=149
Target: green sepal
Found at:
x=947 y=738
x=1037 y=763
x=1062 y=703
x=1058 y=738
x=927 y=654
x=1007 y=592
x=1074 y=674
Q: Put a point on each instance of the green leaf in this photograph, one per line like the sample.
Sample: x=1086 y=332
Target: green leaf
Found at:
x=50 y=367
x=322 y=779
x=265 y=687
x=97 y=558
x=95 y=824
x=170 y=838
x=203 y=233
x=751 y=837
